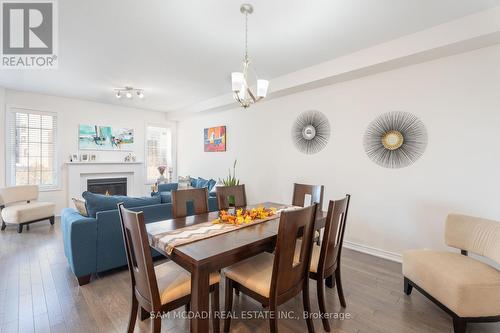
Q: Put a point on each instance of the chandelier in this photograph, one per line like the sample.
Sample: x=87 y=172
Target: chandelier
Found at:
x=240 y=84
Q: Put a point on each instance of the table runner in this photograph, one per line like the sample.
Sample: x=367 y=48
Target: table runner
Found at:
x=170 y=239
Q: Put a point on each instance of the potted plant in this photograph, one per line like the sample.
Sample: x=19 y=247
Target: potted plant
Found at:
x=231 y=180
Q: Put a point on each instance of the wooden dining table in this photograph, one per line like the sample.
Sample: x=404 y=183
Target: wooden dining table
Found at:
x=208 y=255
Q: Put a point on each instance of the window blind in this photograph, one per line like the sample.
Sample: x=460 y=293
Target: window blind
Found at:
x=31 y=148
x=158 y=151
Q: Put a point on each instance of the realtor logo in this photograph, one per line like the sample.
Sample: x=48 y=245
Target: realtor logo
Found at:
x=28 y=34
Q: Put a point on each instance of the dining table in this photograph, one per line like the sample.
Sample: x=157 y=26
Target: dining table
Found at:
x=208 y=255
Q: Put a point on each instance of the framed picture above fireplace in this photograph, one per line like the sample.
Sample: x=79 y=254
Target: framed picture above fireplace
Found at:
x=94 y=137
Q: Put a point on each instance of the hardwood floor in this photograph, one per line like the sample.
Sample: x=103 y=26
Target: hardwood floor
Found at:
x=38 y=292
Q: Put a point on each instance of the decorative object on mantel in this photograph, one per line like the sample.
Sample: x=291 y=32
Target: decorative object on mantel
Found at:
x=92 y=158
x=310 y=132
x=74 y=158
x=129 y=92
x=395 y=139
x=240 y=81
x=129 y=158
x=161 y=169
x=84 y=157
x=93 y=137
x=214 y=139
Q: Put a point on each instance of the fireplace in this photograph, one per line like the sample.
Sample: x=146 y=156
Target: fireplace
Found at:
x=107 y=186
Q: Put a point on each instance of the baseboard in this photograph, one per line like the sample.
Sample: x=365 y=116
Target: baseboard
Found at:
x=373 y=251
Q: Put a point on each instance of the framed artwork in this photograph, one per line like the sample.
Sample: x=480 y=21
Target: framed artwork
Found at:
x=215 y=139
x=93 y=137
x=84 y=157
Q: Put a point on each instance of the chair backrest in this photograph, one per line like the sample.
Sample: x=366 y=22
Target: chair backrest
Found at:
x=225 y=192
x=475 y=234
x=180 y=199
x=300 y=191
x=140 y=262
x=288 y=274
x=333 y=237
x=19 y=193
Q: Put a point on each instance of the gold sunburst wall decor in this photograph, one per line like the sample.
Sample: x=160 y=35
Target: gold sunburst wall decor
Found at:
x=395 y=139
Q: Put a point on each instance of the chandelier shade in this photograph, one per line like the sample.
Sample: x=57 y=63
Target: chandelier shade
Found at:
x=242 y=89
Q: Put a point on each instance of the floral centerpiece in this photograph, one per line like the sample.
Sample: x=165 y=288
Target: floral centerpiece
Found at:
x=161 y=169
x=244 y=215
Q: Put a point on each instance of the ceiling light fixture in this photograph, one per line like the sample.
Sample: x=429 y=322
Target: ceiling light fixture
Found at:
x=240 y=84
x=129 y=92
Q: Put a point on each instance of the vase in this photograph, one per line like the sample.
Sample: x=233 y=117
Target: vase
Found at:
x=162 y=179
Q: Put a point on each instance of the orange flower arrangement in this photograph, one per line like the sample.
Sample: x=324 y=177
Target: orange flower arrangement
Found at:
x=244 y=216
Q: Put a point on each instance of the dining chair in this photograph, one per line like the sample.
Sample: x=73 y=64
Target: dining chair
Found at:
x=301 y=190
x=325 y=259
x=180 y=199
x=299 y=199
x=156 y=289
x=224 y=193
x=274 y=279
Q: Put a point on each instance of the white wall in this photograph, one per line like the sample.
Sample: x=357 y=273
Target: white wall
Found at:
x=458 y=99
x=2 y=136
x=71 y=113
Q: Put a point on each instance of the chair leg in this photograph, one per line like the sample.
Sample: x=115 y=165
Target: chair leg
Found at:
x=133 y=315
x=3 y=225
x=273 y=318
x=330 y=282
x=321 y=302
x=307 y=307
x=215 y=309
x=157 y=325
x=20 y=228
x=187 y=307
x=407 y=286
x=459 y=325
x=52 y=220
x=144 y=314
x=228 y=304
x=339 y=287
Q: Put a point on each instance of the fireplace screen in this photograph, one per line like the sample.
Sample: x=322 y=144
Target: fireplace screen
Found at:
x=107 y=186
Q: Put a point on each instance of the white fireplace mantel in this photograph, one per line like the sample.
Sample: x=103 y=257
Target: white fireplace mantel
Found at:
x=80 y=172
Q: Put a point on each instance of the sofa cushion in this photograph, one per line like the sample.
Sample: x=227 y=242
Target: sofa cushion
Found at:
x=99 y=202
x=201 y=183
x=166 y=197
x=211 y=184
x=193 y=181
x=168 y=187
x=465 y=285
x=28 y=212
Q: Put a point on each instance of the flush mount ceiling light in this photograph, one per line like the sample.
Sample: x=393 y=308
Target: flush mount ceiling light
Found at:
x=129 y=92
x=240 y=80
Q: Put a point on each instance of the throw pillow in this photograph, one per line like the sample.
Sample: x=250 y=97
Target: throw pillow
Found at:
x=80 y=207
x=193 y=182
x=201 y=183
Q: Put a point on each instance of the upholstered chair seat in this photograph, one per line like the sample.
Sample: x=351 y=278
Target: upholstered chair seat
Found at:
x=254 y=273
x=468 y=287
x=21 y=213
x=174 y=282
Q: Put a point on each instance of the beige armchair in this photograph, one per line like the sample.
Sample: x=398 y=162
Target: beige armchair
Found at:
x=16 y=207
x=464 y=287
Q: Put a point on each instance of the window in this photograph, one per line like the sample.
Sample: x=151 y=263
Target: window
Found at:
x=158 y=151
x=31 y=154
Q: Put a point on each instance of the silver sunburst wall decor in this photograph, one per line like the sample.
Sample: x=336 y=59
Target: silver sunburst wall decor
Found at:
x=310 y=132
x=395 y=139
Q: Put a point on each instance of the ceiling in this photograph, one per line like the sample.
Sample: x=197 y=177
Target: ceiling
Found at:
x=182 y=52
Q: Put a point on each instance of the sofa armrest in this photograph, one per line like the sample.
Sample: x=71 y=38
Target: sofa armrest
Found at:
x=80 y=241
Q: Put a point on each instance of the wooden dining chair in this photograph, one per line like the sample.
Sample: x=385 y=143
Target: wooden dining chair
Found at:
x=300 y=191
x=325 y=259
x=299 y=199
x=156 y=289
x=224 y=193
x=180 y=199
x=274 y=279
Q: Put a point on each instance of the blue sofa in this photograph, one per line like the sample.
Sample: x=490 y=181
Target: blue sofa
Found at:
x=94 y=244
